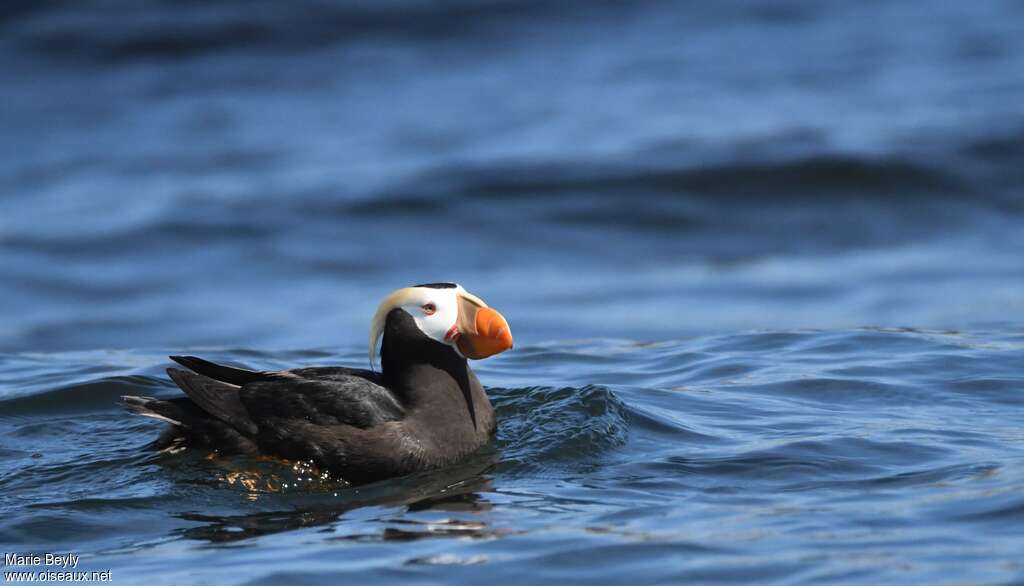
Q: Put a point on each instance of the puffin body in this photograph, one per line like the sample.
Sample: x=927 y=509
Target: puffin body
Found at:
x=424 y=409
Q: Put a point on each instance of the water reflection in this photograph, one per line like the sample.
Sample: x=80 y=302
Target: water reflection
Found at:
x=457 y=489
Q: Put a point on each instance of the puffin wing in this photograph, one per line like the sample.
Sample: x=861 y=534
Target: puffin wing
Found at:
x=240 y=376
x=329 y=395
x=234 y=409
x=217 y=398
x=321 y=396
x=227 y=374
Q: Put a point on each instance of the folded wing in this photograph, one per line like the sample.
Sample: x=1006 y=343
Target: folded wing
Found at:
x=245 y=401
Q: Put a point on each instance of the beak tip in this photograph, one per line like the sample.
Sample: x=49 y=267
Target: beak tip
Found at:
x=506 y=338
x=491 y=336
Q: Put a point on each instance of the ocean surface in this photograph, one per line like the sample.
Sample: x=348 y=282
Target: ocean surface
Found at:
x=764 y=266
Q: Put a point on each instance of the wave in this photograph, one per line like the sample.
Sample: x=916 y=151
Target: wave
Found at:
x=161 y=31
x=95 y=395
x=699 y=190
x=547 y=428
x=798 y=179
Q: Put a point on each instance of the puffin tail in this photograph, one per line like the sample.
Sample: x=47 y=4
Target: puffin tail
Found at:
x=155 y=408
x=190 y=426
x=218 y=399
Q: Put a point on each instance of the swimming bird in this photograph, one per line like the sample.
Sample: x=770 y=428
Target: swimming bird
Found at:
x=424 y=408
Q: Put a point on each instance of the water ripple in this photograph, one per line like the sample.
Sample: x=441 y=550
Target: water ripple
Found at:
x=720 y=451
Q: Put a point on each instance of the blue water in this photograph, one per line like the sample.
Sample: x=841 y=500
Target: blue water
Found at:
x=763 y=265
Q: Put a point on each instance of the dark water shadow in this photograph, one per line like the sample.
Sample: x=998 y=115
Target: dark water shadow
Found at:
x=457 y=488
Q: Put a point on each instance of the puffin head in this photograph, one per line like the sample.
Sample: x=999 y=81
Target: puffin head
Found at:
x=449 y=315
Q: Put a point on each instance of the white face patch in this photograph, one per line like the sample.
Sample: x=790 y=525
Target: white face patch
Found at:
x=435 y=311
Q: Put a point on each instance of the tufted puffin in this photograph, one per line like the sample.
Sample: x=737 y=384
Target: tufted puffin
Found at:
x=424 y=409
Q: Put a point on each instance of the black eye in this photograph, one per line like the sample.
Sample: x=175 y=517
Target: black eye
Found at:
x=429 y=309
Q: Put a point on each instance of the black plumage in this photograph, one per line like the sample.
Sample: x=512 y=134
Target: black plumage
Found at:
x=425 y=409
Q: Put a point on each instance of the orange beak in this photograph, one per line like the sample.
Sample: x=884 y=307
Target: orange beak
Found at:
x=482 y=332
